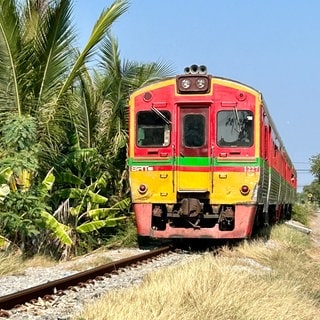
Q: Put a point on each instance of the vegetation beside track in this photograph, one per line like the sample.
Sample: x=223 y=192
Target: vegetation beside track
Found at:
x=63 y=128
x=275 y=277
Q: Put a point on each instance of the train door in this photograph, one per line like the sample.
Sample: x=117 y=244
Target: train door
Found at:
x=193 y=149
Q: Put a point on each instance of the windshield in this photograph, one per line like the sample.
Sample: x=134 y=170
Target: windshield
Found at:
x=235 y=128
x=153 y=130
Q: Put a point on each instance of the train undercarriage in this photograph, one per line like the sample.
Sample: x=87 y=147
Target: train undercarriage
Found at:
x=193 y=216
x=192 y=213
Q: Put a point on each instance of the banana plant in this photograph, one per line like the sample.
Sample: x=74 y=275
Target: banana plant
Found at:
x=13 y=212
x=83 y=223
x=104 y=217
x=60 y=230
x=82 y=209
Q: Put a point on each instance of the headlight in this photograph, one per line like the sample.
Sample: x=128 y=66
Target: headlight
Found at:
x=185 y=83
x=201 y=83
x=193 y=83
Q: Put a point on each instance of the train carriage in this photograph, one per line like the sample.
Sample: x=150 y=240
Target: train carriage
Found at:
x=205 y=159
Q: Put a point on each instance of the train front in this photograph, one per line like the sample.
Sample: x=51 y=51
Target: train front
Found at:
x=193 y=157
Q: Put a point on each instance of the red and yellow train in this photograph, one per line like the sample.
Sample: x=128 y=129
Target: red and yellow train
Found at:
x=205 y=159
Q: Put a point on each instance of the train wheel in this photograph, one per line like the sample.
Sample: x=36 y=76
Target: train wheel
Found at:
x=144 y=242
x=288 y=212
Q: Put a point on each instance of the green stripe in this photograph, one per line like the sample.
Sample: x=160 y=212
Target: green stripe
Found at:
x=195 y=161
x=233 y=163
x=144 y=162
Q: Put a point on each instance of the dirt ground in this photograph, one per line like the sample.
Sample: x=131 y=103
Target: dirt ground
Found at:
x=315 y=227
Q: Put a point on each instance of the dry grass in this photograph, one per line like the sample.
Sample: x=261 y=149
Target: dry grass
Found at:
x=15 y=264
x=88 y=262
x=9 y=264
x=274 y=279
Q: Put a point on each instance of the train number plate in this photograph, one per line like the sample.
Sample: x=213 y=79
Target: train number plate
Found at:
x=251 y=170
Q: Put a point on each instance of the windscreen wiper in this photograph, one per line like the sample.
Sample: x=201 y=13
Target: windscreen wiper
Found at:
x=238 y=122
x=160 y=114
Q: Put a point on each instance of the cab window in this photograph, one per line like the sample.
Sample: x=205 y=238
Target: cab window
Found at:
x=194 y=130
x=153 y=129
x=235 y=128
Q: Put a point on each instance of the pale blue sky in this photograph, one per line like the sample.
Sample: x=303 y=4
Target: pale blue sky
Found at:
x=271 y=45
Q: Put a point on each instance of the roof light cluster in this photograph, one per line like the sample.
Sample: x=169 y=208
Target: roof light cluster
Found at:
x=195 y=80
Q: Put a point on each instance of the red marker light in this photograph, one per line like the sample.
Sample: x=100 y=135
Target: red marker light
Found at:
x=142 y=188
x=244 y=190
x=147 y=96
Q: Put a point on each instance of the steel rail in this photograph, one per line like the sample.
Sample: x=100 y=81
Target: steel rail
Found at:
x=9 y=301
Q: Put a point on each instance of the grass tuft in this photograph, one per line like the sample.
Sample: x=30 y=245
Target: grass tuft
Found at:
x=12 y=264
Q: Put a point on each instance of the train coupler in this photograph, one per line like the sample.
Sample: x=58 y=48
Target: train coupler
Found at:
x=226 y=218
x=190 y=207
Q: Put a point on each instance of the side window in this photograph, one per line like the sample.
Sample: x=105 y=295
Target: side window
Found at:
x=194 y=130
x=153 y=130
x=235 y=128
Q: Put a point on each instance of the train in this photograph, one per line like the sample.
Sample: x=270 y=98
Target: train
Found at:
x=205 y=159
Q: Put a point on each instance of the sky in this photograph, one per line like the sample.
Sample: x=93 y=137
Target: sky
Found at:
x=271 y=45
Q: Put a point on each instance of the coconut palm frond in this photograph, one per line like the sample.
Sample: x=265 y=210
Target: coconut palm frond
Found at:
x=10 y=46
x=110 y=56
x=107 y=17
x=88 y=112
x=54 y=53
x=144 y=74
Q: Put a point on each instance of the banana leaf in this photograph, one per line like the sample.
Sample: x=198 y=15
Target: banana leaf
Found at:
x=95 y=225
x=123 y=204
x=69 y=177
x=77 y=193
x=101 y=213
x=4 y=243
x=60 y=230
x=90 y=226
x=97 y=198
x=47 y=183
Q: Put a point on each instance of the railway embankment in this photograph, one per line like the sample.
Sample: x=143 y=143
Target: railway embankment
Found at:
x=280 y=265
x=275 y=277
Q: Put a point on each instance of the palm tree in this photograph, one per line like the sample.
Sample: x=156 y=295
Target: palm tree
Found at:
x=39 y=65
x=39 y=68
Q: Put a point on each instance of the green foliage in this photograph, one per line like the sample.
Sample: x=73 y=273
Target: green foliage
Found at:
x=24 y=217
x=301 y=213
x=19 y=133
x=125 y=234
x=312 y=192
x=20 y=219
x=21 y=203
x=315 y=166
x=122 y=205
x=18 y=138
x=86 y=207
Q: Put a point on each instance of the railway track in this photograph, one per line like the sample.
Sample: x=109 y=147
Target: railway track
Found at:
x=56 y=287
